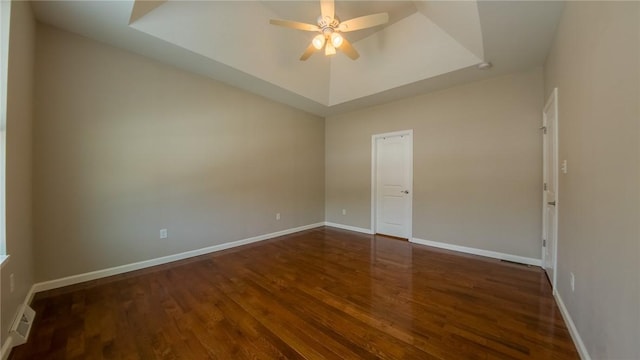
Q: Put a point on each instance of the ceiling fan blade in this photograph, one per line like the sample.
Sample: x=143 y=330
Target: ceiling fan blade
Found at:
x=363 y=22
x=327 y=8
x=329 y=49
x=348 y=49
x=294 y=25
x=307 y=53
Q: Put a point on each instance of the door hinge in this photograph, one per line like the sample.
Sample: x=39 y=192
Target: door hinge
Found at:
x=544 y=242
x=545 y=186
x=544 y=129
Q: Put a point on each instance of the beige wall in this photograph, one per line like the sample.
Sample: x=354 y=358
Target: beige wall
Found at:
x=19 y=222
x=477 y=163
x=595 y=65
x=125 y=146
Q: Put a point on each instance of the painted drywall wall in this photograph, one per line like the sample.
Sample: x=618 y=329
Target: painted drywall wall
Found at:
x=477 y=163
x=125 y=146
x=19 y=234
x=594 y=63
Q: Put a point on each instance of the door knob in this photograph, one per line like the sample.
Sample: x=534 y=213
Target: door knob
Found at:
x=552 y=203
x=404 y=191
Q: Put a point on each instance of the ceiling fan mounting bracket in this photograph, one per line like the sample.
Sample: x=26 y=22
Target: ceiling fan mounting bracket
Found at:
x=327 y=22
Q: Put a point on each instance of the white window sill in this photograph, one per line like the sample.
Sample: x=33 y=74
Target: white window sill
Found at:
x=4 y=259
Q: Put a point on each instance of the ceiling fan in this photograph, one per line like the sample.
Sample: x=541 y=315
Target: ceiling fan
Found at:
x=330 y=29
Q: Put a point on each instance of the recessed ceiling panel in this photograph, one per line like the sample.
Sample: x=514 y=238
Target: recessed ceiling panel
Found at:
x=426 y=45
x=411 y=49
x=460 y=19
x=390 y=58
x=142 y=8
x=238 y=34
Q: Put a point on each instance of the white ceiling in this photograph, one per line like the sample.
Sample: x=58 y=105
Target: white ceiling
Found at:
x=426 y=46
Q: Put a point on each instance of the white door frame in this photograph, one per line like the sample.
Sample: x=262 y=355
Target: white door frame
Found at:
x=553 y=100
x=373 y=178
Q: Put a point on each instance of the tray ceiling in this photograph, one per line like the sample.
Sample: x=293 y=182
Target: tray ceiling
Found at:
x=427 y=45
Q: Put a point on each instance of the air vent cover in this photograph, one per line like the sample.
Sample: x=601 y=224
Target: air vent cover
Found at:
x=22 y=325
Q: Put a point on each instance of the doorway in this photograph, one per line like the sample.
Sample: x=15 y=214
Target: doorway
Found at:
x=550 y=186
x=392 y=184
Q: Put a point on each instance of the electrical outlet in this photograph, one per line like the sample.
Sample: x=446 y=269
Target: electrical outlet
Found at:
x=344 y=211
x=573 y=282
x=564 y=167
x=164 y=234
x=12 y=283
x=277 y=216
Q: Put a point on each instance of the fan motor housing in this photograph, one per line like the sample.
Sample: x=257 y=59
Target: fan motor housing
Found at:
x=327 y=22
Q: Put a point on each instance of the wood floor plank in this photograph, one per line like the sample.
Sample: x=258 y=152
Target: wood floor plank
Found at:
x=319 y=294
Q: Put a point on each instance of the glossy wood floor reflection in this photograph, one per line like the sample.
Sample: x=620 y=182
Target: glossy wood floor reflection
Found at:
x=319 y=294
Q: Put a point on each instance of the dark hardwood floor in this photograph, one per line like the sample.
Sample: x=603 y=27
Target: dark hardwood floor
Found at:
x=318 y=294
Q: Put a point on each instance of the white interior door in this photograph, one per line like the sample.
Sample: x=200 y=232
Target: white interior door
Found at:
x=550 y=186
x=393 y=164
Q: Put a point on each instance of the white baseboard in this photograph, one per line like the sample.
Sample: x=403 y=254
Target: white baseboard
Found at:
x=30 y=294
x=75 y=279
x=577 y=340
x=349 y=227
x=8 y=343
x=6 y=348
x=481 y=252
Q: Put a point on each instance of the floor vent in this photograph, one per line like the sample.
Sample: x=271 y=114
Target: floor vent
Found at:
x=22 y=325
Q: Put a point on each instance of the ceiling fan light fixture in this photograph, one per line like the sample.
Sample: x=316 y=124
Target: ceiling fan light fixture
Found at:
x=336 y=40
x=329 y=26
x=318 y=41
x=329 y=49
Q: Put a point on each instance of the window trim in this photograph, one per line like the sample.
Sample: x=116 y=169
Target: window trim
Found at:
x=5 y=23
